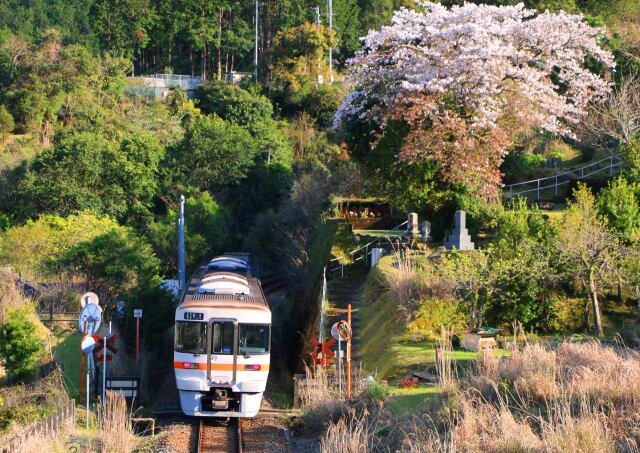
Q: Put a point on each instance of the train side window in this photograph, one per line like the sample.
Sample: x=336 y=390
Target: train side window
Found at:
x=191 y=337
x=222 y=338
x=254 y=339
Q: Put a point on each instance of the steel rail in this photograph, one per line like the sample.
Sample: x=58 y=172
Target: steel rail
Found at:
x=233 y=429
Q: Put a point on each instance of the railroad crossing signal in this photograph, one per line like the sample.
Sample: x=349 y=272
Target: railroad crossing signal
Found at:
x=100 y=346
x=110 y=341
x=322 y=352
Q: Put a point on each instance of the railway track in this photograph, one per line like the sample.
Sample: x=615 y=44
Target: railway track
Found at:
x=215 y=436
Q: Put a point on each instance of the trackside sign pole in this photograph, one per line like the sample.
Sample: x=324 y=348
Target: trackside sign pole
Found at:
x=137 y=313
x=349 y=353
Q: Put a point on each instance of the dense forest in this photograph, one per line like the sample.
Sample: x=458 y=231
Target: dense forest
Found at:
x=256 y=161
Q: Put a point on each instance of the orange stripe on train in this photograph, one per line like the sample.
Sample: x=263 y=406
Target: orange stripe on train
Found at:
x=221 y=366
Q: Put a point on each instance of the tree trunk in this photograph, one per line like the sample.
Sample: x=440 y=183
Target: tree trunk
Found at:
x=203 y=63
x=619 y=292
x=480 y=314
x=585 y=316
x=597 y=322
x=220 y=15
x=193 y=68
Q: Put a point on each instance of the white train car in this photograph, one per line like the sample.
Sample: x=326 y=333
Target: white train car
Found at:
x=222 y=340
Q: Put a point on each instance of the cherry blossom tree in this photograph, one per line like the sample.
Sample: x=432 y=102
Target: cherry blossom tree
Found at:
x=457 y=76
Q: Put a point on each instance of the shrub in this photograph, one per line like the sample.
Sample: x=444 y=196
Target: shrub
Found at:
x=6 y=122
x=434 y=313
x=377 y=391
x=20 y=346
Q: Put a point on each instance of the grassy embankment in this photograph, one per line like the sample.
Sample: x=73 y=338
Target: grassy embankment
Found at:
x=392 y=350
x=66 y=351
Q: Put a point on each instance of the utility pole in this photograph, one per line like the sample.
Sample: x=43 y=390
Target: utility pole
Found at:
x=255 y=50
x=181 y=251
x=316 y=10
x=330 y=15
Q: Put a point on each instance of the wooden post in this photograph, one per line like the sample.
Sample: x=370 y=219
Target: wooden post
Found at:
x=349 y=353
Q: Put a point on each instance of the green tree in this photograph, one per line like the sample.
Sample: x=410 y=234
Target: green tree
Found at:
x=20 y=346
x=619 y=204
x=122 y=26
x=266 y=187
x=29 y=248
x=254 y=112
x=6 y=122
x=348 y=26
x=522 y=265
x=588 y=247
x=206 y=232
x=214 y=154
x=631 y=153
x=472 y=279
x=299 y=56
x=113 y=264
x=86 y=171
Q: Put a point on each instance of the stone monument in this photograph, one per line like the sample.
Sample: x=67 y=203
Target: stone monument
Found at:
x=425 y=231
x=376 y=254
x=412 y=224
x=459 y=238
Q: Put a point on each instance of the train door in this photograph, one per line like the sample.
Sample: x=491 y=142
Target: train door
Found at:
x=222 y=342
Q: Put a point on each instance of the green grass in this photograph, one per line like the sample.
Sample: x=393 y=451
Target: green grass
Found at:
x=67 y=352
x=404 y=401
x=378 y=233
x=388 y=349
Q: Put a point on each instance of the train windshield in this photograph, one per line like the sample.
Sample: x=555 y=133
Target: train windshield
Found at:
x=191 y=337
x=254 y=339
x=222 y=338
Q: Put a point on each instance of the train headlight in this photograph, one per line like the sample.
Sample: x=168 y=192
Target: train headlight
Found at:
x=252 y=367
x=189 y=366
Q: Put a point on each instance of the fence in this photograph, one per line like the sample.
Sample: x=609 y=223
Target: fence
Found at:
x=364 y=251
x=50 y=317
x=537 y=186
x=51 y=424
x=158 y=85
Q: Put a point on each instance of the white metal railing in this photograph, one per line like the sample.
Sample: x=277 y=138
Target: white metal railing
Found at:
x=553 y=182
x=367 y=251
x=159 y=81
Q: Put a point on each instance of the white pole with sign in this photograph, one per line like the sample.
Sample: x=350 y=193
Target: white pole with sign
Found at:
x=137 y=313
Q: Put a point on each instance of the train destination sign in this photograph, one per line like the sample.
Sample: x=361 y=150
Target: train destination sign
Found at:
x=192 y=316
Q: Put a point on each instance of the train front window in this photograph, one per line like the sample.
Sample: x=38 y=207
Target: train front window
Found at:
x=254 y=339
x=222 y=338
x=191 y=337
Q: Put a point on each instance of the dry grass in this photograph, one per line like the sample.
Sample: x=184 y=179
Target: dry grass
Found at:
x=321 y=401
x=403 y=282
x=116 y=433
x=445 y=365
x=50 y=442
x=350 y=435
x=580 y=397
x=10 y=296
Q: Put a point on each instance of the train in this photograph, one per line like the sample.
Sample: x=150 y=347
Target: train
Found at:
x=222 y=341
